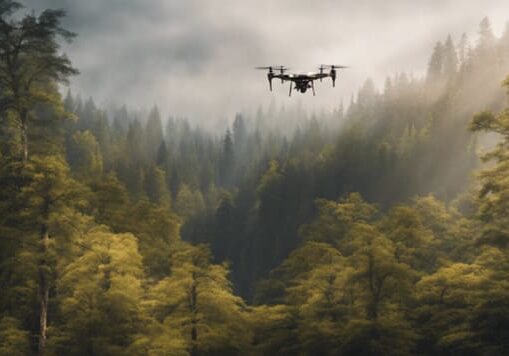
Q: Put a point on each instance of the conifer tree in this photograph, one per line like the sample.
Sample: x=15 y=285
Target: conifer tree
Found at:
x=197 y=298
x=31 y=64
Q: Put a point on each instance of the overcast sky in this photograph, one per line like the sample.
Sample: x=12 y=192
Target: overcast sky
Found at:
x=195 y=58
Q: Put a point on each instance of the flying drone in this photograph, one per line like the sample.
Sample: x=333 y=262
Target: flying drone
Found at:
x=303 y=81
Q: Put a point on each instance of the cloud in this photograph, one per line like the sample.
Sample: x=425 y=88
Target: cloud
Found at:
x=195 y=57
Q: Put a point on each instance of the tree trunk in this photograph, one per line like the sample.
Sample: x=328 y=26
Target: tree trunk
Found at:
x=24 y=135
x=43 y=290
x=372 y=307
x=194 y=321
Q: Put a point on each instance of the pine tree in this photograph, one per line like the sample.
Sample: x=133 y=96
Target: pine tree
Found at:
x=187 y=203
x=197 y=299
x=450 y=65
x=162 y=155
x=486 y=37
x=239 y=137
x=436 y=63
x=100 y=293
x=84 y=155
x=493 y=202
x=153 y=133
x=463 y=50
x=27 y=83
x=226 y=164
x=155 y=186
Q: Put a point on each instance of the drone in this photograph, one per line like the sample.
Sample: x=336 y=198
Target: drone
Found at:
x=303 y=82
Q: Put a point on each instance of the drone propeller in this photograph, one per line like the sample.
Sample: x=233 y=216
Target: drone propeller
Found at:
x=322 y=68
x=332 y=66
x=280 y=68
x=271 y=74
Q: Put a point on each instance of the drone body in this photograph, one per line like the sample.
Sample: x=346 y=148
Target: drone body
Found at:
x=302 y=82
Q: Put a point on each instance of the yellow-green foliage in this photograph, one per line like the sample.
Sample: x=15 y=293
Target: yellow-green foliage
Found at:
x=13 y=340
x=101 y=293
x=197 y=298
x=85 y=156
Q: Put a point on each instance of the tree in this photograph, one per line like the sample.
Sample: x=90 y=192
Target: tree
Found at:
x=352 y=295
x=110 y=202
x=436 y=63
x=226 y=164
x=450 y=59
x=153 y=133
x=486 y=37
x=31 y=64
x=335 y=219
x=155 y=186
x=13 y=340
x=414 y=243
x=442 y=309
x=162 y=155
x=101 y=131
x=493 y=196
x=188 y=202
x=42 y=202
x=239 y=137
x=197 y=299
x=100 y=296
x=48 y=196
x=157 y=230
x=322 y=297
x=84 y=155
x=489 y=321
x=379 y=276
x=134 y=142
x=274 y=329
x=463 y=50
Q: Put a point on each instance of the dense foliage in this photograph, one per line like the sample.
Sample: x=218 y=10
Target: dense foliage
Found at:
x=359 y=232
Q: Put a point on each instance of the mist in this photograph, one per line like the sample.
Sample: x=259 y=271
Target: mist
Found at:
x=196 y=58
x=164 y=201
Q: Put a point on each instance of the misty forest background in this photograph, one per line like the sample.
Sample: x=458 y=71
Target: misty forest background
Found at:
x=359 y=232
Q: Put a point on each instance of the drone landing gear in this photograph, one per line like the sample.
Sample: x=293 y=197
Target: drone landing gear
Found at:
x=313 y=87
x=290 y=93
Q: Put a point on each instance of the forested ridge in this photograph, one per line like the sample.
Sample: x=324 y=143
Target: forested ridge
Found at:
x=381 y=228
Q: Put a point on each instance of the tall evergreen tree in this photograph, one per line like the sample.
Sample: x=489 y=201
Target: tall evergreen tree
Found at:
x=227 y=162
x=436 y=63
x=31 y=64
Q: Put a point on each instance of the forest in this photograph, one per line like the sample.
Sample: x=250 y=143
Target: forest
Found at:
x=381 y=228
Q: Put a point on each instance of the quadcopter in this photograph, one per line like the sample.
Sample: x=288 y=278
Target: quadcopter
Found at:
x=303 y=82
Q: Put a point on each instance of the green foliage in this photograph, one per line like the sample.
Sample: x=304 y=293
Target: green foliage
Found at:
x=110 y=201
x=84 y=155
x=155 y=186
x=31 y=64
x=197 y=299
x=336 y=219
x=13 y=340
x=100 y=293
x=274 y=330
x=493 y=199
x=188 y=202
x=344 y=234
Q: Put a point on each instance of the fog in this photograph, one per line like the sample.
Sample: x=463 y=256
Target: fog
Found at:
x=196 y=58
